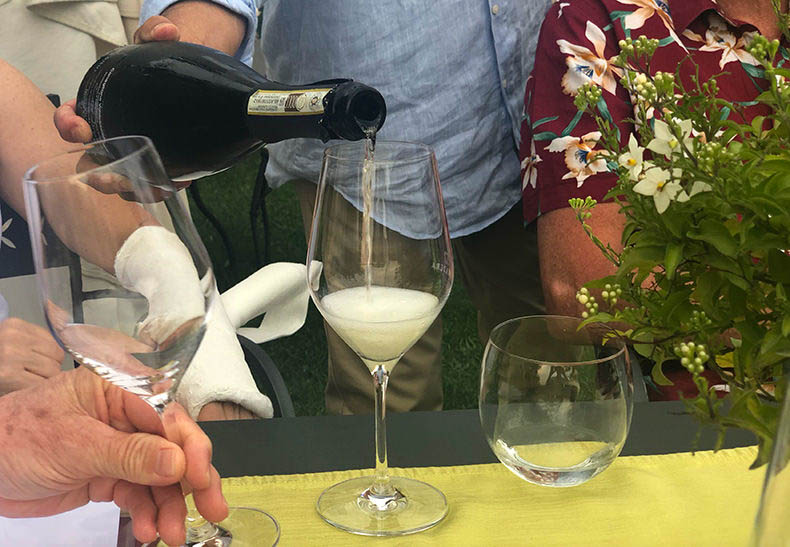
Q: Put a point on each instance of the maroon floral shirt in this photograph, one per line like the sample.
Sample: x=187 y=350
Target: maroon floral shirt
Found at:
x=577 y=44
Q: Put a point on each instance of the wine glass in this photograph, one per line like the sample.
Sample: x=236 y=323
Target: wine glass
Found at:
x=555 y=400
x=380 y=269
x=95 y=203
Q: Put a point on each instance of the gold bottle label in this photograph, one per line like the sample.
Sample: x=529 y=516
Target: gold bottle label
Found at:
x=287 y=103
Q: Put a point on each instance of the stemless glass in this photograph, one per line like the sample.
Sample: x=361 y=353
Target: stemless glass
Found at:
x=380 y=269
x=554 y=399
x=86 y=205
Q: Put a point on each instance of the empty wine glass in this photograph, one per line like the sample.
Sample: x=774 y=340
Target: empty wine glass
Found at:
x=95 y=204
x=380 y=269
x=554 y=398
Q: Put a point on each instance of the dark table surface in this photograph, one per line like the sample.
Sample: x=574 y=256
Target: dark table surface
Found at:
x=418 y=439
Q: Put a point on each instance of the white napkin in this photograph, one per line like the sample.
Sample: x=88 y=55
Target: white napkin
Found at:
x=280 y=291
x=92 y=525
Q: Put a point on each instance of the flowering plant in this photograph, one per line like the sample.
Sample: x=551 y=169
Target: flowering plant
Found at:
x=703 y=276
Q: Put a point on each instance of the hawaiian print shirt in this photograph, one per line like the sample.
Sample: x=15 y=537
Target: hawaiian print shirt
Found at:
x=577 y=44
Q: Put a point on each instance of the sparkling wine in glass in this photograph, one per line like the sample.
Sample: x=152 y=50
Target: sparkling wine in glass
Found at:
x=95 y=204
x=380 y=269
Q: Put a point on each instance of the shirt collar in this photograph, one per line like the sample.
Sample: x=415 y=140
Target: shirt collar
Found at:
x=684 y=12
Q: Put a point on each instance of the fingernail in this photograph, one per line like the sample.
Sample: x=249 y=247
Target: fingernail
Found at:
x=166 y=462
x=160 y=25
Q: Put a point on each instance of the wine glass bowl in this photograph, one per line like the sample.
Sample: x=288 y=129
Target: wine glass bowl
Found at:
x=379 y=270
x=554 y=401
x=83 y=206
x=138 y=319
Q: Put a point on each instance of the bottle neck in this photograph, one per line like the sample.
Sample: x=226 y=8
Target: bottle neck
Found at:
x=331 y=109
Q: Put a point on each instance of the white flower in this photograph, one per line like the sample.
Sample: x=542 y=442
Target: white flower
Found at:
x=665 y=142
x=719 y=37
x=529 y=167
x=696 y=188
x=581 y=156
x=654 y=183
x=4 y=240
x=632 y=160
x=586 y=66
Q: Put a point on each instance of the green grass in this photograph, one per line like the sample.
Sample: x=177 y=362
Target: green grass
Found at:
x=301 y=357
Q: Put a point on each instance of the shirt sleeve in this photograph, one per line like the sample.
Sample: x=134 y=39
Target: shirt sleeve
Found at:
x=559 y=155
x=245 y=8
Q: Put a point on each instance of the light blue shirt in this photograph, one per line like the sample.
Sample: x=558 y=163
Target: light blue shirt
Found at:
x=245 y=8
x=453 y=73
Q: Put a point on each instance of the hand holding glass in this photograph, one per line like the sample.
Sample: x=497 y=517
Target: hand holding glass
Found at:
x=96 y=204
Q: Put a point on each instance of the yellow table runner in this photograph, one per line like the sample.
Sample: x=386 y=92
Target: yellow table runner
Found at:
x=697 y=499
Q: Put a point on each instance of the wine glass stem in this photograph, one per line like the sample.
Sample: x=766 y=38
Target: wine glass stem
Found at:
x=381 y=480
x=198 y=528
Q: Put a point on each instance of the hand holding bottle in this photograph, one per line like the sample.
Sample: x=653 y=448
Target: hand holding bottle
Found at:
x=74 y=128
x=197 y=22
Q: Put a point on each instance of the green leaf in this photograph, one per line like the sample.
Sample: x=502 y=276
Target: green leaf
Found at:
x=640 y=257
x=716 y=234
x=786 y=325
x=779 y=265
x=658 y=375
x=544 y=136
x=737 y=300
x=600 y=283
x=672 y=258
x=770 y=341
x=708 y=292
x=757 y=124
x=544 y=120
x=677 y=306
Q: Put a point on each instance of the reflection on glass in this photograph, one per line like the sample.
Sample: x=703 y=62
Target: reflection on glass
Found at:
x=554 y=399
x=94 y=205
x=380 y=269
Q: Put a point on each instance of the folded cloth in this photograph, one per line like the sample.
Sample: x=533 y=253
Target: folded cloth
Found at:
x=280 y=291
x=153 y=262
x=707 y=498
x=219 y=372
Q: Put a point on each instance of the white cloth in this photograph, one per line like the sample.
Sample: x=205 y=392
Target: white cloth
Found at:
x=153 y=262
x=280 y=291
x=92 y=525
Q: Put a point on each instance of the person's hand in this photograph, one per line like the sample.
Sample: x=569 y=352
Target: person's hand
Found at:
x=197 y=22
x=28 y=355
x=72 y=127
x=76 y=438
x=221 y=410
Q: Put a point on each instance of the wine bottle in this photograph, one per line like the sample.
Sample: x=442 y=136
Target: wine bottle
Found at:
x=205 y=110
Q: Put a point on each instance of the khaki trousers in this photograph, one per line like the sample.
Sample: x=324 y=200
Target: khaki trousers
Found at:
x=499 y=268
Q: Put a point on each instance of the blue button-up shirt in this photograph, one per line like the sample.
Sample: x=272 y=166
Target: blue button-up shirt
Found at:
x=452 y=72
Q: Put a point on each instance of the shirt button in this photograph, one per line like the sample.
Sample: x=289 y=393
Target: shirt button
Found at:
x=495 y=9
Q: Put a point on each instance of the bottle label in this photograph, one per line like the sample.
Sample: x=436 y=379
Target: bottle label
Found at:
x=287 y=103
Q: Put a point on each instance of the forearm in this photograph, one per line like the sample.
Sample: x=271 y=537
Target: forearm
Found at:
x=207 y=23
x=28 y=137
x=568 y=259
x=27 y=134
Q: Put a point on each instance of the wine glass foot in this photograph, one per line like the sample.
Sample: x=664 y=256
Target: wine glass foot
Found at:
x=352 y=506
x=244 y=527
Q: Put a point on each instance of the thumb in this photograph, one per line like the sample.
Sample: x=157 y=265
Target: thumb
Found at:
x=139 y=458
x=156 y=29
